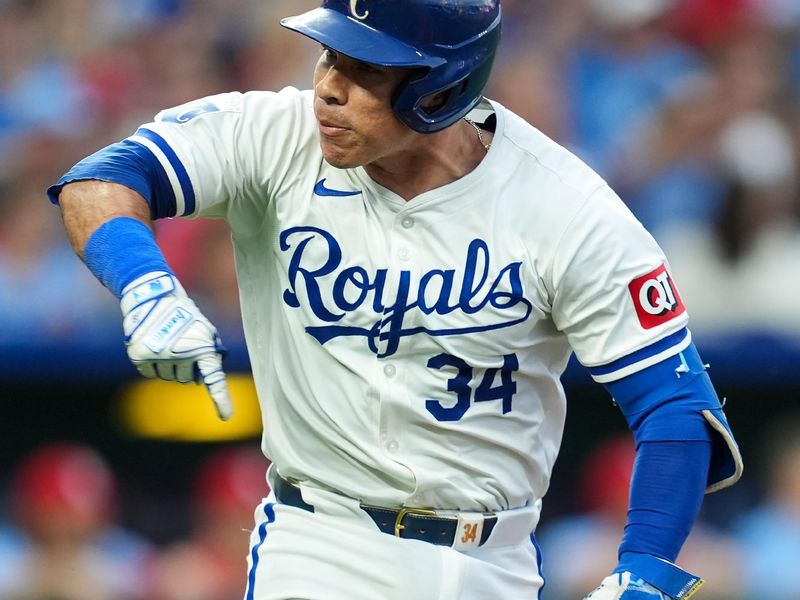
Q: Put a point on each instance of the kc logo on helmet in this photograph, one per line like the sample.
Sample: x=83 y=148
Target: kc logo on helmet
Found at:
x=354 y=10
x=655 y=298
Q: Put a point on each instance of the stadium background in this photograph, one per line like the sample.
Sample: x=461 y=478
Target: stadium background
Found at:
x=689 y=108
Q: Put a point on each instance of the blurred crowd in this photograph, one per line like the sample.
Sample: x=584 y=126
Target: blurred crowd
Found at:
x=689 y=108
x=62 y=535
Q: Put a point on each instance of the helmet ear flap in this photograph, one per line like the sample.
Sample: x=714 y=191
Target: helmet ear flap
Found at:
x=429 y=111
x=432 y=103
x=429 y=103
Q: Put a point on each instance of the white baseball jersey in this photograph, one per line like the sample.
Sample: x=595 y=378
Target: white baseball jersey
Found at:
x=409 y=353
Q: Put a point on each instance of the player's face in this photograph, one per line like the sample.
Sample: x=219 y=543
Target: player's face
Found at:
x=353 y=107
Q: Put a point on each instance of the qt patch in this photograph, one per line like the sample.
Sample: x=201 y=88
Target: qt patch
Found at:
x=655 y=298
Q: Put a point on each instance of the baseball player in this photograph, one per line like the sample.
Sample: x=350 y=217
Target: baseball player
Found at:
x=416 y=264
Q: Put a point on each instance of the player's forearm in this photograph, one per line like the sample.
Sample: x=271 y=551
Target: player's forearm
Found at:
x=666 y=493
x=86 y=205
x=109 y=226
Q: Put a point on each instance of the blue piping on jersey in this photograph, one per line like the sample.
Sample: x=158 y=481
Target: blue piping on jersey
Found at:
x=539 y=565
x=130 y=164
x=262 y=535
x=642 y=354
x=177 y=165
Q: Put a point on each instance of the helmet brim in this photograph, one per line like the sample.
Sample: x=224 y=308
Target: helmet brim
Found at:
x=357 y=40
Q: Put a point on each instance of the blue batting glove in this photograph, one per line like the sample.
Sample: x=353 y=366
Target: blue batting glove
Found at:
x=168 y=337
x=645 y=577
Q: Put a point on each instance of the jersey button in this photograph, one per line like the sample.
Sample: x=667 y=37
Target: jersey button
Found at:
x=407 y=223
x=393 y=446
x=389 y=370
x=403 y=254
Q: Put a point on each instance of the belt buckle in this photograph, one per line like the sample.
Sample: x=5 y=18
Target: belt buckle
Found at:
x=406 y=510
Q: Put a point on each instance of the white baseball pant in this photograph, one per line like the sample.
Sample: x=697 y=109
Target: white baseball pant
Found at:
x=338 y=553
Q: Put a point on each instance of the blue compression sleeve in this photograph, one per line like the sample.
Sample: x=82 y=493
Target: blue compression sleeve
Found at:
x=667 y=487
x=121 y=250
x=663 y=405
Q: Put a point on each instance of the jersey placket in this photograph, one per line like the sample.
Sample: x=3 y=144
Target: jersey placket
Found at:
x=401 y=283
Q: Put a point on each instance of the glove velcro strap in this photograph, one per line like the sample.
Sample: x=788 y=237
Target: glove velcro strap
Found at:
x=147 y=287
x=661 y=574
x=172 y=324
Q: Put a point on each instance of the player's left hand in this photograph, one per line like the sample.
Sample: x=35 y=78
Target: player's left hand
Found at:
x=626 y=586
x=660 y=580
x=168 y=337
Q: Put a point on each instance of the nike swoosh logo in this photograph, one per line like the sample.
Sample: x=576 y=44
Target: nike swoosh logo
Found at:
x=321 y=190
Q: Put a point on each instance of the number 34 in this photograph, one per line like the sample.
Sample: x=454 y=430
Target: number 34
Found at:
x=460 y=385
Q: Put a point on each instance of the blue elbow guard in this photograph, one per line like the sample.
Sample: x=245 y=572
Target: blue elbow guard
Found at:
x=675 y=400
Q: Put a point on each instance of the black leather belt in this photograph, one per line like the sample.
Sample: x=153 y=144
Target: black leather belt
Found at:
x=411 y=523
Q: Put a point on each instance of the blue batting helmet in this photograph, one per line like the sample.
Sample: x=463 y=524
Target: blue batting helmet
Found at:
x=453 y=42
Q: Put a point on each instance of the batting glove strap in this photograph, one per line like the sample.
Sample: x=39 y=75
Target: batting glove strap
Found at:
x=626 y=586
x=140 y=299
x=149 y=287
x=661 y=574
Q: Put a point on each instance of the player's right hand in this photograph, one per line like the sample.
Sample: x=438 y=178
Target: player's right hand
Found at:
x=167 y=336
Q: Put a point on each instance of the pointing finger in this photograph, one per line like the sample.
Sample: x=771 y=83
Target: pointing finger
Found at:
x=212 y=375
